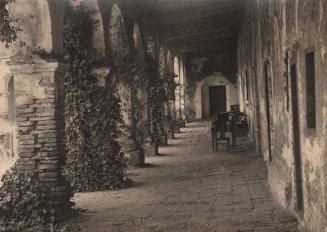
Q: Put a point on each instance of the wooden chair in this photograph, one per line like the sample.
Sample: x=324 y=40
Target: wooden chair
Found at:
x=219 y=134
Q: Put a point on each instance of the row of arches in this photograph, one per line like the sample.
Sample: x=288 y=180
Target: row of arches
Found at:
x=42 y=24
x=130 y=55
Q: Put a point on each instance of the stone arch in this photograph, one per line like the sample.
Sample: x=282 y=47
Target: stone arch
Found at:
x=92 y=7
x=182 y=87
x=162 y=62
x=138 y=43
x=7 y=122
x=176 y=69
x=171 y=102
x=11 y=101
x=177 y=90
x=57 y=13
x=202 y=94
x=170 y=63
x=118 y=39
x=35 y=20
x=5 y=78
x=151 y=47
x=182 y=72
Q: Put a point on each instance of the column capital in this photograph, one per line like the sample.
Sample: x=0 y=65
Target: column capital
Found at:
x=37 y=67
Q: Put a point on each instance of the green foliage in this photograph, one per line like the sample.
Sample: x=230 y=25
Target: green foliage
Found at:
x=8 y=33
x=92 y=113
x=21 y=202
x=158 y=96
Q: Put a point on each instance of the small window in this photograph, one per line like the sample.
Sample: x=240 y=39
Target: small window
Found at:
x=310 y=89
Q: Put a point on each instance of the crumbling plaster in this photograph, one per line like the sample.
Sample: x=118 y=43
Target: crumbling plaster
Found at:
x=282 y=34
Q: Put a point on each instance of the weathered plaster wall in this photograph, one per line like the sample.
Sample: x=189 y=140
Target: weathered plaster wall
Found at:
x=277 y=34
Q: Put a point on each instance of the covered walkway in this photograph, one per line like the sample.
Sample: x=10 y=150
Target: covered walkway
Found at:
x=189 y=188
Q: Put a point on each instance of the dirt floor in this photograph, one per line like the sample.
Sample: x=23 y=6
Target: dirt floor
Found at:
x=190 y=188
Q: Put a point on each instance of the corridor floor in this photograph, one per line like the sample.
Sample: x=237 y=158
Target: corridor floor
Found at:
x=189 y=188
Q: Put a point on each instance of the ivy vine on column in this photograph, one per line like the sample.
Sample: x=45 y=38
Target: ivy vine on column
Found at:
x=93 y=112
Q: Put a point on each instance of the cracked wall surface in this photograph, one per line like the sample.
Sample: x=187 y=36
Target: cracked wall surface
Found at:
x=276 y=35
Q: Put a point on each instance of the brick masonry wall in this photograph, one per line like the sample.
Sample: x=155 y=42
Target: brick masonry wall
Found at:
x=40 y=126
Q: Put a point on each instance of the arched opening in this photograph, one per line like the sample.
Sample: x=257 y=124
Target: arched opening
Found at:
x=138 y=45
x=182 y=90
x=162 y=63
x=170 y=75
x=119 y=50
x=177 y=90
x=164 y=104
x=118 y=41
x=35 y=19
x=11 y=101
x=214 y=94
x=7 y=126
x=91 y=8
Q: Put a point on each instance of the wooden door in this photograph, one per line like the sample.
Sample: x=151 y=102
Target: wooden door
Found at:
x=217 y=98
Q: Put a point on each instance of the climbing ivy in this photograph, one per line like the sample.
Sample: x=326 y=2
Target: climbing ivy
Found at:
x=92 y=112
x=8 y=32
x=158 y=96
x=21 y=202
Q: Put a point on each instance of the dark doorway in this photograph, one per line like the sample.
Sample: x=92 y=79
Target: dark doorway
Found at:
x=217 y=98
x=267 y=102
x=296 y=140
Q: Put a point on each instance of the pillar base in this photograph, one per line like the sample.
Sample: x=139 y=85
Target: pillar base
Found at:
x=171 y=134
x=181 y=123
x=149 y=148
x=163 y=140
x=132 y=152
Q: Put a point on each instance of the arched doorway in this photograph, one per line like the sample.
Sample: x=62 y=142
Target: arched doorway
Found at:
x=205 y=97
x=8 y=154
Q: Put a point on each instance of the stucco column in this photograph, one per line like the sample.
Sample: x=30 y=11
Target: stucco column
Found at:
x=128 y=141
x=182 y=97
x=39 y=99
x=177 y=103
x=143 y=122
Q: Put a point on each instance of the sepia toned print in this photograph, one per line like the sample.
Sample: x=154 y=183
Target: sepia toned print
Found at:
x=163 y=115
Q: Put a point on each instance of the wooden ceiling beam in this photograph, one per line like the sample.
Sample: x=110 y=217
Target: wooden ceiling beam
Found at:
x=208 y=45
x=211 y=21
x=208 y=18
x=196 y=14
x=206 y=51
x=182 y=6
x=198 y=28
x=213 y=32
x=199 y=40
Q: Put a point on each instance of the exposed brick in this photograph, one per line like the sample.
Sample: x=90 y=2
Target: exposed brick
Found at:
x=48 y=174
